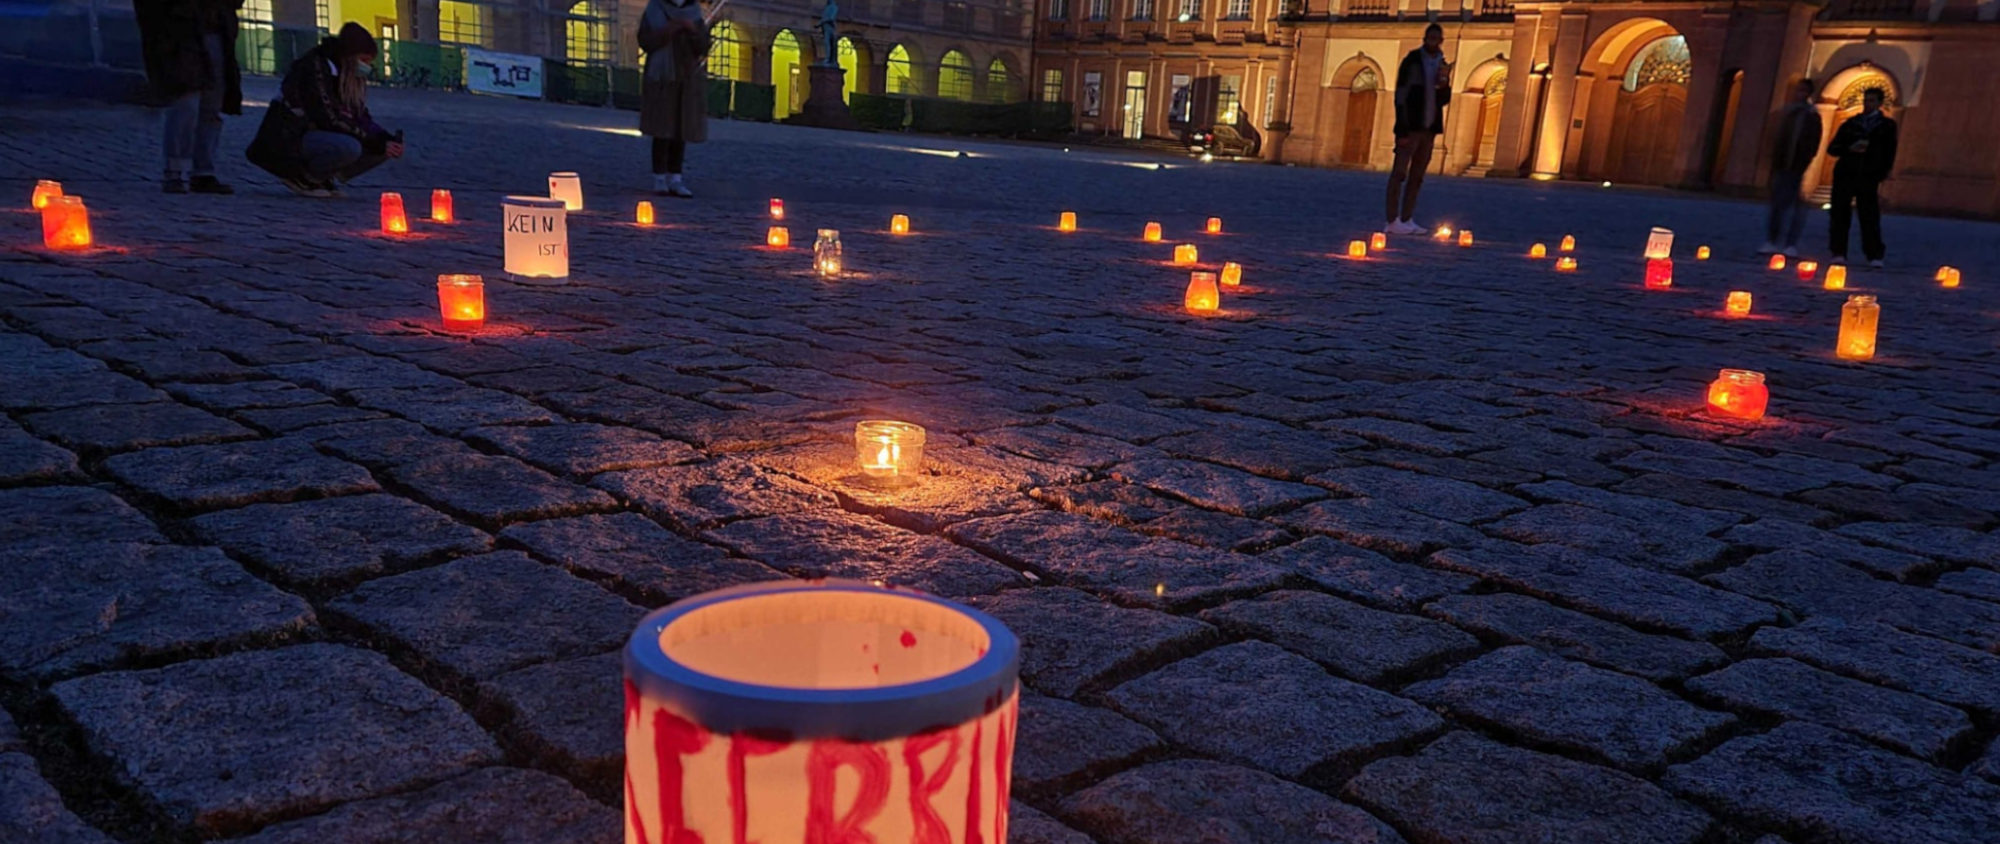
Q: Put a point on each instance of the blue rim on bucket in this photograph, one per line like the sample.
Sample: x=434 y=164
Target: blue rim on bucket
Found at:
x=855 y=714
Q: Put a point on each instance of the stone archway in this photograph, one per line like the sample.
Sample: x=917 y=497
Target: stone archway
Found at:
x=1353 y=110
x=1631 y=102
x=1476 y=130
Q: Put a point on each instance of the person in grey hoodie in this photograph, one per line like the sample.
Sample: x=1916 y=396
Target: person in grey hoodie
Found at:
x=1797 y=145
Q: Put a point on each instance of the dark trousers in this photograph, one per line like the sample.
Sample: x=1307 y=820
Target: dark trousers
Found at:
x=1853 y=194
x=668 y=155
x=1406 y=176
x=1788 y=210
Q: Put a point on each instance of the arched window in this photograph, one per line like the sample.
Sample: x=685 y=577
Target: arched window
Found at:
x=850 y=61
x=1365 y=80
x=787 y=75
x=901 y=80
x=729 y=58
x=955 y=76
x=999 y=82
x=1665 y=60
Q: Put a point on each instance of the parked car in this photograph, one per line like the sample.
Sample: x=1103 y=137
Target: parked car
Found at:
x=1222 y=140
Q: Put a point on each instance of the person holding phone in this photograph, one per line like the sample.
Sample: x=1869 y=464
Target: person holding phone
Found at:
x=1423 y=86
x=1866 y=148
x=673 y=104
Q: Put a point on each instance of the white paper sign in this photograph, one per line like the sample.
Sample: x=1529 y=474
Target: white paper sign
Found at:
x=1660 y=244
x=537 y=235
x=487 y=72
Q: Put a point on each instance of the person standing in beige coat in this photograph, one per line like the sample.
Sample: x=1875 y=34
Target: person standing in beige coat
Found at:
x=673 y=106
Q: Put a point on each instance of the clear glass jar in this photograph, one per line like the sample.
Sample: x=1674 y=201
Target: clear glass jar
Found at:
x=827 y=253
x=1740 y=393
x=885 y=448
x=1857 y=328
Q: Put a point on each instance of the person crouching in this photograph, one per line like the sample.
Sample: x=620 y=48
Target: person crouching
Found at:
x=329 y=86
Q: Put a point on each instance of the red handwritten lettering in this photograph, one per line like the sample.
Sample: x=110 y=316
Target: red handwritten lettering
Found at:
x=631 y=802
x=674 y=736
x=1003 y=768
x=926 y=827
x=972 y=788
x=826 y=758
x=741 y=748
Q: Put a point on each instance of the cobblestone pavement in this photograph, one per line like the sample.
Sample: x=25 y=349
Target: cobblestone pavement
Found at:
x=1436 y=547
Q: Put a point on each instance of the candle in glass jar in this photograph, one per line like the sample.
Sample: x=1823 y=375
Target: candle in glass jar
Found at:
x=1836 y=277
x=1777 y=262
x=1185 y=254
x=1807 y=269
x=393 y=219
x=1857 y=328
x=1659 y=273
x=1378 y=241
x=1566 y=264
x=1465 y=237
x=1740 y=393
x=1701 y=253
x=46 y=190
x=827 y=253
x=1357 y=249
x=1066 y=222
x=568 y=187
x=643 y=215
x=1214 y=225
x=1950 y=278
x=462 y=302
x=441 y=211
x=899 y=224
x=778 y=237
x=1443 y=233
x=1152 y=234
x=777 y=208
x=1538 y=251
x=886 y=448
x=1738 y=303
x=1202 y=296
x=66 y=223
x=1568 y=243
x=1232 y=274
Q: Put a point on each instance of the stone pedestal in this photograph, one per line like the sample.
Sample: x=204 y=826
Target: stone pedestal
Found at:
x=824 y=106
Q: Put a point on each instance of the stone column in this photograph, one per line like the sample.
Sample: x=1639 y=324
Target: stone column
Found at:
x=1560 y=96
x=1520 y=110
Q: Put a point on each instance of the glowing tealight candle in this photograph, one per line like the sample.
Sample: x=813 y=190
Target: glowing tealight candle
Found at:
x=1538 y=251
x=1740 y=393
x=1568 y=243
x=1357 y=249
x=1951 y=278
x=778 y=237
x=1659 y=273
x=1808 y=269
x=568 y=187
x=1943 y=273
x=462 y=302
x=1202 y=296
x=643 y=215
x=827 y=254
x=393 y=219
x=899 y=224
x=1443 y=233
x=889 y=449
x=1378 y=241
x=65 y=223
x=1214 y=225
x=441 y=206
x=1777 y=262
x=1185 y=254
x=1066 y=222
x=1465 y=237
x=777 y=208
x=1701 y=253
x=1152 y=234
x=1232 y=274
x=46 y=190
x=1738 y=303
x=1565 y=264
x=1836 y=277
x=1857 y=328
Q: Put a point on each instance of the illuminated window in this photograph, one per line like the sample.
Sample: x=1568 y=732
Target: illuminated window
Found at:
x=588 y=31
x=1190 y=10
x=1142 y=10
x=1665 y=60
x=1239 y=10
x=1100 y=10
x=1052 y=86
x=462 y=23
x=850 y=61
x=1270 y=109
x=999 y=82
x=955 y=76
x=1229 y=100
x=901 y=79
x=729 y=55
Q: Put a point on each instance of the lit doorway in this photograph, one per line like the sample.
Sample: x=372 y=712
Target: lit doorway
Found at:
x=785 y=62
x=1135 y=104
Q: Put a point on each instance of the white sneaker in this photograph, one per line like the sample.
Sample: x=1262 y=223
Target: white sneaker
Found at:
x=1791 y=252
x=1407 y=227
x=1767 y=248
x=676 y=187
x=1875 y=263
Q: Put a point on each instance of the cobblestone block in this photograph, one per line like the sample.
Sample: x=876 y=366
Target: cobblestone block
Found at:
x=1640 y=597
x=1954 y=544
x=1791 y=689
x=834 y=543
x=1062 y=744
x=1780 y=534
x=59 y=515
x=703 y=495
x=1469 y=789
x=228 y=744
x=24 y=459
x=1071 y=641
x=384 y=443
x=584 y=449
x=1624 y=720
x=1908 y=504
x=1608 y=535
x=1694 y=493
x=1380 y=526
x=1975 y=583
x=454 y=408
x=1523 y=620
x=104 y=428
x=1367 y=645
x=496 y=491
x=566 y=714
x=1057 y=444
x=335 y=539
x=31 y=810
x=1365 y=576
x=1284 y=454
x=1123 y=423
x=1443 y=498
x=1814 y=784
x=1216 y=487
x=496 y=805
x=637 y=555
x=1198 y=800
x=1814 y=586
x=1027 y=826
x=1881 y=654
x=481 y=616
x=1284 y=714
x=1074 y=551
x=212 y=477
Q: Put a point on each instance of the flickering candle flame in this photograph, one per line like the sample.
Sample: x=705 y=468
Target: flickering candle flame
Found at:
x=1185 y=254
x=1357 y=249
x=827 y=253
x=1836 y=277
x=778 y=237
x=777 y=208
x=1943 y=273
x=1568 y=243
x=1443 y=233
x=1202 y=295
x=1659 y=273
x=1701 y=253
x=1214 y=225
x=393 y=219
x=1232 y=274
x=1538 y=251
x=899 y=224
x=889 y=449
x=1738 y=303
x=1566 y=264
x=1858 y=319
x=1066 y=222
x=46 y=190
x=66 y=223
x=1152 y=234
x=1740 y=393
x=462 y=302
x=1777 y=262
x=1951 y=278
x=1465 y=237
x=1378 y=241
x=643 y=215
x=441 y=211
x=1808 y=269
x=568 y=187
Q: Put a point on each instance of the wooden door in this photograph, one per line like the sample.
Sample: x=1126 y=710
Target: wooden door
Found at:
x=1359 y=132
x=1645 y=135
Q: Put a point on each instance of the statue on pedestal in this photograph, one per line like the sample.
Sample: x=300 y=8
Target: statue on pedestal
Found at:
x=829 y=33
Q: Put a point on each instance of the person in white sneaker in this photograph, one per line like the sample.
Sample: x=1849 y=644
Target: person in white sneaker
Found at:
x=673 y=105
x=1423 y=86
x=1865 y=151
x=1796 y=147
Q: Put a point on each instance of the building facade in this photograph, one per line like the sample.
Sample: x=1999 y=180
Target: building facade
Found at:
x=1661 y=92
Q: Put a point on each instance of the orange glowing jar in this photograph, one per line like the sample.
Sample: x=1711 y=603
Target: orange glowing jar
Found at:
x=1701 y=253
x=1950 y=278
x=1152 y=234
x=1943 y=273
x=1568 y=243
x=66 y=223
x=1232 y=274
x=1066 y=222
x=1357 y=249
x=441 y=211
x=1836 y=277
x=1185 y=254
x=1214 y=225
x=1378 y=241
x=1740 y=393
x=1738 y=303
x=1442 y=233
x=1777 y=262
x=1202 y=295
x=46 y=190
x=899 y=224
x=1465 y=238
x=1659 y=273
x=1538 y=251
x=462 y=302
x=1857 y=328
x=643 y=215
x=1808 y=269
x=777 y=209
x=393 y=219
x=778 y=237
x=1565 y=264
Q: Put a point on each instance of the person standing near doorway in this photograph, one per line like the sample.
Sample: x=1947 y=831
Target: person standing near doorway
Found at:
x=1866 y=148
x=1423 y=85
x=1797 y=146
x=190 y=51
x=673 y=105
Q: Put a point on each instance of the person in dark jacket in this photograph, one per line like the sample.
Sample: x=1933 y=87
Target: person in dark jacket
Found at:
x=1797 y=145
x=1423 y=85
x=1866 y=148
x=329 y=86
x=190 y=51
x=673 y=99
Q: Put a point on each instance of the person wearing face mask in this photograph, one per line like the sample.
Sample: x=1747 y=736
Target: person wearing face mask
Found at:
x=673 y=105
x=328 y=87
